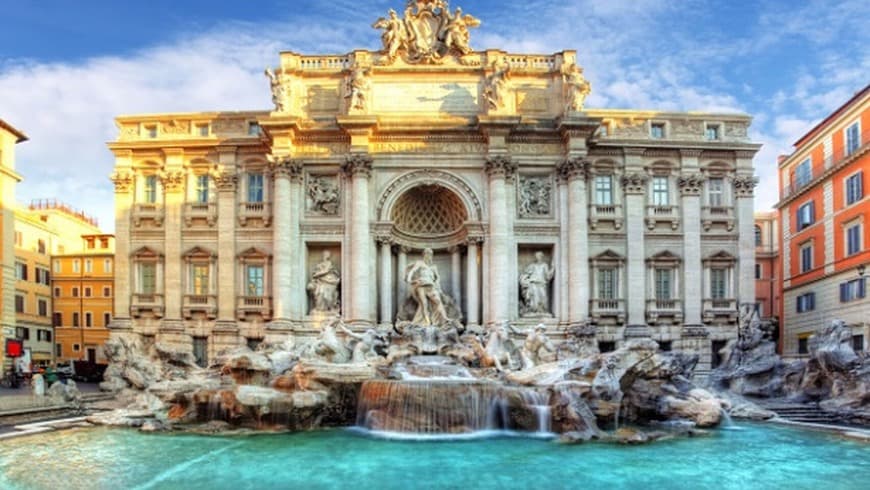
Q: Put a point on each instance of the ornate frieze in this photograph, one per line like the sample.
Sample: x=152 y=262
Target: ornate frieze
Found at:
x=357 y=163
x=175 y=127
x=744 y=185
x=500 y=166
x=323 y=195
x=534 y=196
x=426 y=34
x=123 y=181
x=574 y=168
x=635 y=183
x=690 y=184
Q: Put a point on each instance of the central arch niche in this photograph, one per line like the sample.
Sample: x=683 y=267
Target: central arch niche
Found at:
x=429 y=215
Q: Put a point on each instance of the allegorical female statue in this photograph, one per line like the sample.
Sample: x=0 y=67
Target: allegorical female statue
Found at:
x=323 y=285
x=534 y=282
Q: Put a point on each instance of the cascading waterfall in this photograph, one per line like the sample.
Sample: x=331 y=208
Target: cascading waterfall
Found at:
x=540 y=404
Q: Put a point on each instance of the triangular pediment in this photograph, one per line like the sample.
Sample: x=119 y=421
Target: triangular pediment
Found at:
x=146 y=253
x=608 y=255
x=721 y=256
x=664 y=256
x=254 y=253
x=198 y=253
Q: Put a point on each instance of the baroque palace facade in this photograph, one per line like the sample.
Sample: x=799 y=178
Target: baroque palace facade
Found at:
x=238 y=227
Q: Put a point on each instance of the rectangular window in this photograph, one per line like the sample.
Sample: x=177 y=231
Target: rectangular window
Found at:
x=75 y=318
x=607 y=283
x=19 y=303
x=43 y=335
x=89 y=319
x=715 y=191
x=255 y=280
x=77 y=266
x=90 y=243
x=88 y=292
x=718 y=283
x=58 y=350
x=56 y=266
x=852 y=290
x=107 y=292
x=151 y=131
x=712 y=132
x=255 y=187
x=147 y=278
x=806 y=215
x=758 y=271
x=806 y=302
x=660 y=191
x=854 y=187
x=853 y=140
x=803 y=345
x=75 y=292
x=803 y=173
x=853 y=239
x=43 y=276
x=77 y=347
x=107 y=319
x=663 y=284
x=57 y=319
x=107 y=266
x=603 y=189
x=202 y=129
x=42 y=307
x=202 y=188
x=22 y=333
x=57 y=292
x=21 y=271
x=657 y=131
x=150 y=194
x=89 y=266
x=857 y=343
x=253 y=129
x=199 y=279
x=806 y=257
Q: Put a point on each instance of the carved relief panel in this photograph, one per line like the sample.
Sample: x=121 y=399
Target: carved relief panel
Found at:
x=322 y=195
x=534 y=196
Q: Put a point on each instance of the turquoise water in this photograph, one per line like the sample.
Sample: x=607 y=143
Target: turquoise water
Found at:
x=754 y=456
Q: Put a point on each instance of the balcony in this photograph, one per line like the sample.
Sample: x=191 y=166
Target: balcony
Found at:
x=206 y=211
x=607 y=308
x=723 y=215
x=205 y=304
x=662 y=214
x=149 y=303
x=719 y=308
x=657 y=309
x=147 y=211
x=825 y=168
x=605 y=213
x=255 y=210
x=254 y=305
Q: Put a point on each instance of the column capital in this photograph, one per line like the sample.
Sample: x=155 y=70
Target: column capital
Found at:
x=357 y=164
x=500 y=166
x=635 y=183
x=226 y=180
x=473 y=240
x=384 y=239
x=690 y=184
x=744 y=185
x=574 y=168
x=172 y=181
x=285 y=167
x=123 y=180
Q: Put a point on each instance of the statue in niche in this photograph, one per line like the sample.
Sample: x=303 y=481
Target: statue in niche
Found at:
x=425 y=287
x=323 y=285
x=536 y=339
x=277 y=87
x=358 y=87
x=578 y=88
x=534 y=196
x=534 y=282
x=323 y=195
x=495 y=90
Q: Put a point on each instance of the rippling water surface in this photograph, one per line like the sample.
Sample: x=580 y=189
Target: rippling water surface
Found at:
x=753 y=456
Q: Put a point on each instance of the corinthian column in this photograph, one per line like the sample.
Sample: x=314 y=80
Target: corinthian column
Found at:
x=357 y=167
x=499 y=168
x=690 y=185
x=472 y=287
x=634 y=186
x=744 y=190
x=123 y=180
x=226 y=284
x=173 y=185
x=386 y=281
x=287 y=174
x=576 y=171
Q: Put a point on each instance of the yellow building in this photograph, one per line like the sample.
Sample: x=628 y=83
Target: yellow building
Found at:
x=83 y=289
x=43 y=229
x=9 y=137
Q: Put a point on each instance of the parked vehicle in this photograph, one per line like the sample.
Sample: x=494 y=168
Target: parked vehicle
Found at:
x=88 y=371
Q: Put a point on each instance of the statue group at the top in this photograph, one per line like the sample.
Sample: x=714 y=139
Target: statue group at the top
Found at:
x=427 y=33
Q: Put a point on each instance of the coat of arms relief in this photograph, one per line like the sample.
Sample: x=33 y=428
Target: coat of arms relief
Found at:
x=428 y=33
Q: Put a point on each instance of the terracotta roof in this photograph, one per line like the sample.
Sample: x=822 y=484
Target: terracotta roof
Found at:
x=818 y=127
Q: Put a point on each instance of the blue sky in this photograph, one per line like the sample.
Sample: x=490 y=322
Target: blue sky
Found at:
x=68 y=68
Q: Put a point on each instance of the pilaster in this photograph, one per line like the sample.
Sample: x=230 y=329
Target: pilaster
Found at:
x=357 y=168
x=499 y=168
x=285 y=233
x=744 y=191
x=123 y=178
x=226 y=181
x=634 y=186
x=173 y=185
x=690 y=185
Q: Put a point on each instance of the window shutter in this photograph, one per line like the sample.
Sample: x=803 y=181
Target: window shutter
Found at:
x=844 y=289
x=861 y=287
x=859 y=189
x=812 y=211
x=813 y=301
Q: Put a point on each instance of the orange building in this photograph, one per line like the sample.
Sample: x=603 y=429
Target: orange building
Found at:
x=767 y=269
x=824 y=210
x=83 y=286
